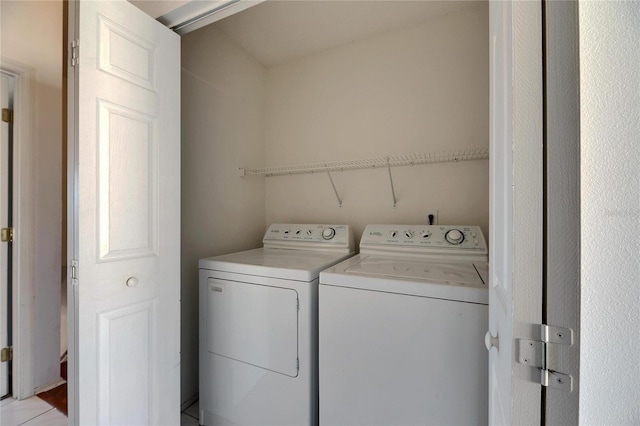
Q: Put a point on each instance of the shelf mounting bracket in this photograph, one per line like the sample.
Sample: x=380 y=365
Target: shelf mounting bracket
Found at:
x=333 y=185
x=393 y=191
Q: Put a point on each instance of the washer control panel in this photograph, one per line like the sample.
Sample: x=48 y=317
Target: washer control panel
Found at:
x=290 y=234
x=445 y=238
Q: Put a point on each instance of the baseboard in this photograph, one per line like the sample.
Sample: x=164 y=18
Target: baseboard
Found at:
x=50 y=386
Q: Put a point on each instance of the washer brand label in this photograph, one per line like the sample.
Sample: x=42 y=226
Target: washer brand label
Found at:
x=379 y=234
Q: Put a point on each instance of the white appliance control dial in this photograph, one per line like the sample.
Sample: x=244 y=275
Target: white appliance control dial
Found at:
x=309 y=236
x=454 y=236
x=437 y=242
x=328 y=233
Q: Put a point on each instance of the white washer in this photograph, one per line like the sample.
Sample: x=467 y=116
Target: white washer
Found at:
x=258 y=327
x=401 y=329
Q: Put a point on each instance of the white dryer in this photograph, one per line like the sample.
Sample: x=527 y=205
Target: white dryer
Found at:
x=401 y=329
x=258 y=327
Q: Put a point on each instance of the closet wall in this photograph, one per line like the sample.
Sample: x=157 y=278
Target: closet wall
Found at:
x=422 y=88
x=222 y=127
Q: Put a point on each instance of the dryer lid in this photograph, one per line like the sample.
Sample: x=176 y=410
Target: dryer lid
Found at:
x=298 y=265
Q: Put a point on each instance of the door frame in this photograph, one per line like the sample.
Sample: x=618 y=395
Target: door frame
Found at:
x=547 y=229
x=70 y=32
x=562 y=201
x=23 y=225
x=6 y=168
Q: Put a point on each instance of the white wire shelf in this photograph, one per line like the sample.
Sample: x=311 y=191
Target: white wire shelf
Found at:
x=371 y=163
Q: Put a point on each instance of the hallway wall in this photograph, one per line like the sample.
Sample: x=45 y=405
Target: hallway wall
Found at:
x=32 y=37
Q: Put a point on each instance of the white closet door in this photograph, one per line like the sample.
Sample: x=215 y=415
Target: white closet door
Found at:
x=515 y=290
x=126 y=184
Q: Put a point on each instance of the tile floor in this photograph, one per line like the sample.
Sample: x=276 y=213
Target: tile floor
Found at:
x=36 y=412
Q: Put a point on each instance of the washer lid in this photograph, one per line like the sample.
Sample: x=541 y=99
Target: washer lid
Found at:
x=298 y=265
x=464 y=282
x=461 y=273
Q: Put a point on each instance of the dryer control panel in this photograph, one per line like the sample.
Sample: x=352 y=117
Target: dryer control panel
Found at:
x=425 y=240
x=311 y=236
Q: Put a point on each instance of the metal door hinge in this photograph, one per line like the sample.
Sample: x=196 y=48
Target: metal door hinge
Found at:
x=534 y=353
x=6 y=354
x=74 y=53
x=74 y=272
x=7 y=115
x=6 y=235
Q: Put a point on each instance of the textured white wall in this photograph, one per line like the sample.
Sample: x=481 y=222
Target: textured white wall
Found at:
x=610 y=187
x=222 y=129
x=32 y=36
x=420 y=89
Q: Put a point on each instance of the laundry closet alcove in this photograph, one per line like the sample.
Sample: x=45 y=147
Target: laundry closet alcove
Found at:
x=314 y=83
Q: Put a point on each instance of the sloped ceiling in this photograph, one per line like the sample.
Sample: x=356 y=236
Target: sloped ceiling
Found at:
x=277 y=30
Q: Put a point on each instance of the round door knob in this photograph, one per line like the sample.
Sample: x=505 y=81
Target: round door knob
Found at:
x=491 y=341
x=132 y=282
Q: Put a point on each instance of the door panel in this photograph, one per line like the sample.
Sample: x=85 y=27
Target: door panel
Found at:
x=127 y=291
x=128 y=167
x=127 y=55
x=127 y=343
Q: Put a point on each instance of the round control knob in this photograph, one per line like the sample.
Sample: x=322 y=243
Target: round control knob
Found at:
x=393 y=234
x=309 y=232
x=425 y=234
x=132 y=282
x=454 y=236
x=328 y=233
x=408 y=234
